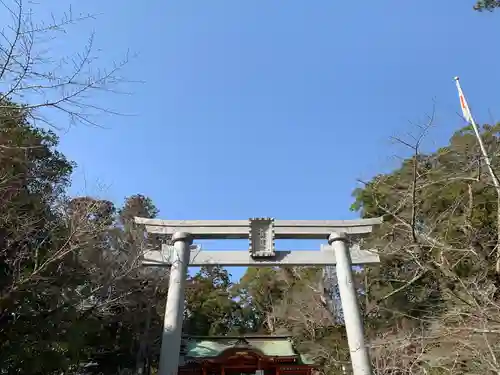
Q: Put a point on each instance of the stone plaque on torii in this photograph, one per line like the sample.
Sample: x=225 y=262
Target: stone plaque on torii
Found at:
x=343 y=250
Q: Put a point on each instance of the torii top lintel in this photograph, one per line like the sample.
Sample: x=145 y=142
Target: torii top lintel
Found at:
x=239 y=229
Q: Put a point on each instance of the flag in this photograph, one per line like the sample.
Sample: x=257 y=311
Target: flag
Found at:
x=466 y=113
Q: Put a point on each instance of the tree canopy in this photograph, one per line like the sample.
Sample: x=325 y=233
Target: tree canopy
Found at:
x=438 y=281
x=73 y=296
x=75 y=300
x=488 y=5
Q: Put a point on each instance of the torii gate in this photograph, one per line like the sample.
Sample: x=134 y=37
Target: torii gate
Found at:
x=261 y=233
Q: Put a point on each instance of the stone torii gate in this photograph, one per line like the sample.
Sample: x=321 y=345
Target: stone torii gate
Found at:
x=343 y=250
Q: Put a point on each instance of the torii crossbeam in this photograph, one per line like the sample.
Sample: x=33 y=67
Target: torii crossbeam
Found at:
x=261 y=233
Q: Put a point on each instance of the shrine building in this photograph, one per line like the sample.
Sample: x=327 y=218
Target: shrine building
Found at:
x=242 y=355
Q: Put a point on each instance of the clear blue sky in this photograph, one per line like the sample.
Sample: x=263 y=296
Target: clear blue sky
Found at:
x=274 y=108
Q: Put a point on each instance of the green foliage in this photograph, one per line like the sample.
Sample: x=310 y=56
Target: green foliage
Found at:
x=210 y=309
x=258 y=291
x=291 y=301
x=438 y=249
x=34 y=174
x=72 y=293
x=488 y=5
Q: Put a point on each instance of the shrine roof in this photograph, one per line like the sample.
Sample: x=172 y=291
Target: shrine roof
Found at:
x=272 y=346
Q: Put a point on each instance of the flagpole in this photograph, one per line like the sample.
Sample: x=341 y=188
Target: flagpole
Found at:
x=468 y=116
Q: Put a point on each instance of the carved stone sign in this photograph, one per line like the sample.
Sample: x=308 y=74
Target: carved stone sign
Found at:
x=261 y=233
x=261 y=237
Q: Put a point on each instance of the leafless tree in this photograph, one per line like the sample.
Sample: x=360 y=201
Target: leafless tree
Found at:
x=461 y=334
x=32 y=75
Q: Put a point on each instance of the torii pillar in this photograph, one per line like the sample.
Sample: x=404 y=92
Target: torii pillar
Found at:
x=261 y=233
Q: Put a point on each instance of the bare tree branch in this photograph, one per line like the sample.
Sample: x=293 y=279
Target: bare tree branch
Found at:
x=69 y=85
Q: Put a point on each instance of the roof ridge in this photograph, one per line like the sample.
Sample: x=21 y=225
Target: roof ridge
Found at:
x=236 y=337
